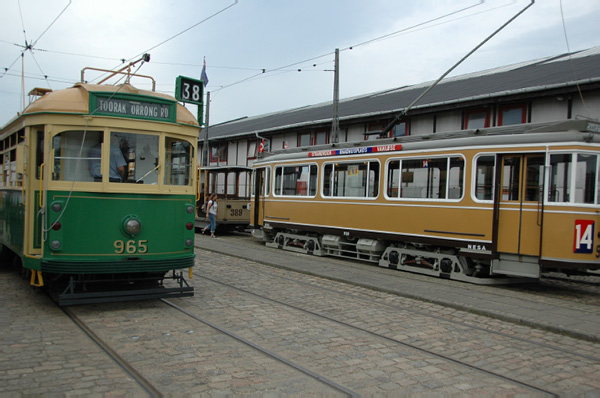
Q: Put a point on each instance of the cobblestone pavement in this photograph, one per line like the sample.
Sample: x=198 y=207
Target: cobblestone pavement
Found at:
x=546 y=360
x=370 y=342
x=548 y=305
x=43 y=352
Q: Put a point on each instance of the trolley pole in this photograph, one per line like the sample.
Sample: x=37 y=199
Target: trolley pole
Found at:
x=336 y=98
x=205 y=147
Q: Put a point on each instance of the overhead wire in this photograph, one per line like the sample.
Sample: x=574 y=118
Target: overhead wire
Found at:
x=183 y=31
x=383 y=37
x=49 y=26
x=388 y=35
x=29 y=47
x=173 y=37
x=564 y=26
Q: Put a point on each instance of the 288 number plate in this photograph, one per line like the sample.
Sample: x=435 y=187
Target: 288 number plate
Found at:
x=131 y=246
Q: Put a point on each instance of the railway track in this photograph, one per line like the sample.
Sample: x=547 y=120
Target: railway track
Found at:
x=190 y=312
x=589 y=282
x=256 y=329
x=405 y=308
x=326 y=381
x=415 y=347
x=152 y=390
x=140 y=380
x=473 y=330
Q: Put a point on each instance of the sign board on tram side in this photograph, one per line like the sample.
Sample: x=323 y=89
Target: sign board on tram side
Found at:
x=356 y=151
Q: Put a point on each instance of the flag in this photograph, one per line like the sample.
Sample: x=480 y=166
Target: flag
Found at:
x=203 y=76
x=261 y=147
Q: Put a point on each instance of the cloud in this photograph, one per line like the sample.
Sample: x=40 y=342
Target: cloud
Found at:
x=268 y=34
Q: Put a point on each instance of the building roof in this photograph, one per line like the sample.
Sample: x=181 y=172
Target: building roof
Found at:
x=558 y=72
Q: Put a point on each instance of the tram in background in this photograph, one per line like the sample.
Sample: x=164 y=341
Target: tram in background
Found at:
x=481 y=206
x=97 y=192
x=232 y=186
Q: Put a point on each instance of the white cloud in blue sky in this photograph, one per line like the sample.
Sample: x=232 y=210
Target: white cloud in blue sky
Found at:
x=256 y=34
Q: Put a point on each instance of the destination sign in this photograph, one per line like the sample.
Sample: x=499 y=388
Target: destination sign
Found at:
x=356 y=150
x=134 y=108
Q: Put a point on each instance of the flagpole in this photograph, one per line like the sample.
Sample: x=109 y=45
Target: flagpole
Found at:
x=205 y=160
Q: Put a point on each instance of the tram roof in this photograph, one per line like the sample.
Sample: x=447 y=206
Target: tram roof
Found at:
x=226 y=168
x=525 y=78
x=76 y=100
x=567 y=131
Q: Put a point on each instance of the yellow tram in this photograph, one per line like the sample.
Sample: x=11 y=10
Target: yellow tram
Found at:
x=476 y=206
x=232 y=186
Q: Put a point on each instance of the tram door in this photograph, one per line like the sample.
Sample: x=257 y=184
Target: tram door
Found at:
x=520 y=204
x=259 y=176
x=261 y=189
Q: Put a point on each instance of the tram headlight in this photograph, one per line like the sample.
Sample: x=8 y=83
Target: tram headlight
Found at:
x=189 y=209
x=131 y=225
x=189 y=242
x=55 y=245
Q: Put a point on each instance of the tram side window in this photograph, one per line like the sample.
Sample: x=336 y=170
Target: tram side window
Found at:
x=39 y=157
x=426 y=178
x=393 y=179
x=560 y=178
x=584 y=168
x=535 y=178
x=265 y=182
x=354 y=180
x=178 y=162
x=455 y=178
x=585 y=183
x=74 y=157
x=484 y=177
x=296 y=180
x=243 y=185
x=216 y=182
x=511 y=176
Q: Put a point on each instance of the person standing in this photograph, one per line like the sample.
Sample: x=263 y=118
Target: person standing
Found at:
x=211 y=214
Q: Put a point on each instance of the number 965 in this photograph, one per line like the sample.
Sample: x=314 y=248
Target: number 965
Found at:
x=131 y=246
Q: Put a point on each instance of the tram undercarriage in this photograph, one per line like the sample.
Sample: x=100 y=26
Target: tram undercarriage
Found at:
x=423 y=259
x=89 y=289
x=78 y=289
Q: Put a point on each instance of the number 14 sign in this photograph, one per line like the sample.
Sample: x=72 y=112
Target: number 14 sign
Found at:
x=584 y=236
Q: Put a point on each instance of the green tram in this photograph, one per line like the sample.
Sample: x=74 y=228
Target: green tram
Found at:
x=97 y=193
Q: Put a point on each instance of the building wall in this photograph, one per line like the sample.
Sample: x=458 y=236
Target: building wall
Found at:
x=589 y=108
x=549 y=109
x=543 y=109
x=422 y=125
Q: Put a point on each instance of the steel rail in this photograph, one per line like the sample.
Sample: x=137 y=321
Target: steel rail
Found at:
x=122 y=363
x=390 y=339
x=271 y=354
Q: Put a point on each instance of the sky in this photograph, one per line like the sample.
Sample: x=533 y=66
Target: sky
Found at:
x=264 y=56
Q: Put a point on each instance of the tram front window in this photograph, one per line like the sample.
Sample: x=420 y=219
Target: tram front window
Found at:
x=75 y=158
x=178 y=162
x=133 y=158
